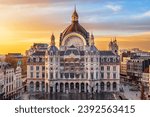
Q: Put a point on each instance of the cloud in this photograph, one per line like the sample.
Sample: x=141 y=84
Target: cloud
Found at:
x=120 y=26
x=23 y=2
x=147 y=13
x=143 y=15
x=10 y=2
x=114 y=8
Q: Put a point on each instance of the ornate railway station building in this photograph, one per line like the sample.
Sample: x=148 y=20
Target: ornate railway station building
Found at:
x=76 y=66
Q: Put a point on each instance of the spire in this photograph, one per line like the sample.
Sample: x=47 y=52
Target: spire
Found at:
x=115 y=39
x=75 y=15
x=92 y=39
x=75 y=7
x=52 y=40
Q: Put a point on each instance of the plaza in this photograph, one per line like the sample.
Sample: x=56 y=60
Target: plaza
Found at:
x=70 y=96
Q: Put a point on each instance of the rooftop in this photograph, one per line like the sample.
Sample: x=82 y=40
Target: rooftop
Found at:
x=39 y=53
x=107 y=53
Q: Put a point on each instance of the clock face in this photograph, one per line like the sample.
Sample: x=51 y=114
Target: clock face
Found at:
x=74 y=40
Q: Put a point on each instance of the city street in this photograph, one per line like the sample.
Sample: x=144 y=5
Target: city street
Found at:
x=70 y=96
x=131 y=92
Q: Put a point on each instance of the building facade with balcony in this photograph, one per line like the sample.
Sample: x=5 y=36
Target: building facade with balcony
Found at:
x=146 y=78
x=136 y=67
x=76 y=66
x=1 y=84
x=11 y=80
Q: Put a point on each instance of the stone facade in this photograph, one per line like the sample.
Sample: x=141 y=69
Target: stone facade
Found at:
x=77 y=66
x=11 y=81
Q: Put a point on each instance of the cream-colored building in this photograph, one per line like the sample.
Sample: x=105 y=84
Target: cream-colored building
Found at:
x=124 y=65
x=76 y=66
x=146 y=78
x=12 y=81
x=1 y=84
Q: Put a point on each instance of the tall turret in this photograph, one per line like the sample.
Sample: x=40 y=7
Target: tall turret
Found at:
x=92 y=39
x=52 y=40
x=52 y=48
x=113 y=46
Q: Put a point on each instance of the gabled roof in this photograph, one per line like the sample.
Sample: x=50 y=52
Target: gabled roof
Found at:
x=38 y=53
x=106 y=53
x=53 y=49
x=93 y=48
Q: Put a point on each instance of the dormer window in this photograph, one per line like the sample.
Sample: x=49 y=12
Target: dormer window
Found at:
x=91 y=59
x=51 y=53
x=108 y=59
x=97 y=59
x=105 y=59
x=102 y=59
x=40 y=59
x=34 y=59
x=114 y=60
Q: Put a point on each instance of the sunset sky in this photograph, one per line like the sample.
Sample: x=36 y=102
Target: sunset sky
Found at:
x=23 y=22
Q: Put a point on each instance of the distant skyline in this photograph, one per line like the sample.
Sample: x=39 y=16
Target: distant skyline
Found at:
x=24 y=22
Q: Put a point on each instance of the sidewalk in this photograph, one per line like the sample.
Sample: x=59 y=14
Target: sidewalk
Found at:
x=131 y=95
x=25 y=96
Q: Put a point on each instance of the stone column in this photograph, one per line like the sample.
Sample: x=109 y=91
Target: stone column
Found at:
x=58 y=87
x=89 y=88
x=95 y=87
x=34 y=87
x=64 y=90
x=111 y=88
x=105 y=86
x=69 y=75
x=28 y=87
x=68 y=87
x=84 y=87
x=74 y=86
x=79 y=87
x=99 y=87
x=40 y=86
x=53 y=88
x=47 y=88
x=118 y=85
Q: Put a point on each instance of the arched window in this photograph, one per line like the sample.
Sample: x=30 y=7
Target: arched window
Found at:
x=108 y=86
x=102 y=86
x=114 y=86
x=37 y=86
